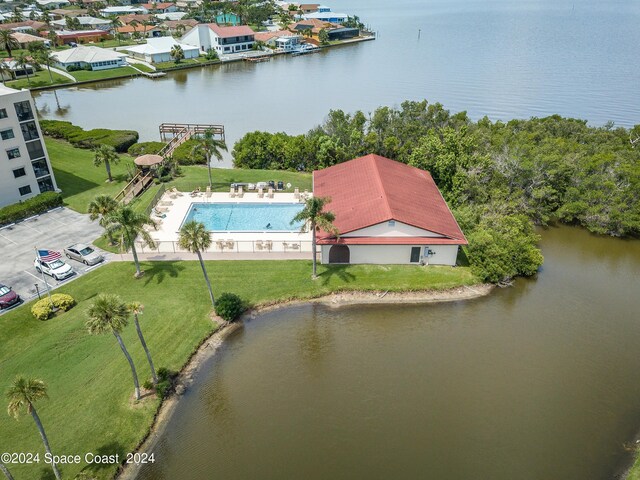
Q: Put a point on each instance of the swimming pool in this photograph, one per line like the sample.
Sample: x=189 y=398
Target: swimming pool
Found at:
x=245 y=217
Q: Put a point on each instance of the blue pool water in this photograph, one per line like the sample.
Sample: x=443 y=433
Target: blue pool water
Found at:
x=245 y=217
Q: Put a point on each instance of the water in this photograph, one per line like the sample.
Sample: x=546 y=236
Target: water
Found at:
x=501 y=58
x=538 y=381
x=246 y=217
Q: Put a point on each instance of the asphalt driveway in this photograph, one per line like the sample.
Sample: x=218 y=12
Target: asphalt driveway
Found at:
x=53 y=230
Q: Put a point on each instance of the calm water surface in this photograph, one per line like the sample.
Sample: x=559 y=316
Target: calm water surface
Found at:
x=501 y=58
x=533 y=382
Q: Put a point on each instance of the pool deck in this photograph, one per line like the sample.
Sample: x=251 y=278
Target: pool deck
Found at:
x=175 y=207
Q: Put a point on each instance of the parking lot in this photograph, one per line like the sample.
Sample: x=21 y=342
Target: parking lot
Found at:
x=54 y=230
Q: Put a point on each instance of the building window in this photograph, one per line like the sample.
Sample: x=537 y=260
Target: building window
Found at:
x=7 y=134
x=29 y=131
x=35 y=150
x=45 y=184
x=26 y=190
x=392 y=223
x=3 y=113
x=23 y=109
x=13 y=153
x=19 y=172
x=40 y=168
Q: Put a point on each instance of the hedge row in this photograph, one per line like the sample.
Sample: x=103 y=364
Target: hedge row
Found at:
x=121 y=140
x=32 y=206
x=184 y=154
x=144 y=148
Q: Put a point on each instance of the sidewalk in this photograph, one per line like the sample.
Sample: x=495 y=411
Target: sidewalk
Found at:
x=173 y=257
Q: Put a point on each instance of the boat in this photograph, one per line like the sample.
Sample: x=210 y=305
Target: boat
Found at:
x=304 y=49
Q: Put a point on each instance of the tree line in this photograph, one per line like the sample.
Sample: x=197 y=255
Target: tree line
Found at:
x=500 y=178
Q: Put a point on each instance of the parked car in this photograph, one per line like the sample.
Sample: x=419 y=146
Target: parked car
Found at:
x=83 y=253
x=8 y=298
x=56 y=268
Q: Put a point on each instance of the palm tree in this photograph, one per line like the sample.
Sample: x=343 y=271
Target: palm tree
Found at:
x=209 y=146
x=5 y=70
x=177 y=53
x=45 y=57
x=314 y=214
x=131 y=224
x=22 y=60
x=136 y=308
x=6 y=471
x=195 y=238
x=53 y=37
x=106 y=154
x=17 y=15
x=22 y=394
x=180 y=28
x=115 y=23
x=108 y=314
x=7 y=42
x=100 y=208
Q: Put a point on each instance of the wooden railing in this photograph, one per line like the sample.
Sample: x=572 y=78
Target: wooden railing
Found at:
x=195 y=128
x=123 y=193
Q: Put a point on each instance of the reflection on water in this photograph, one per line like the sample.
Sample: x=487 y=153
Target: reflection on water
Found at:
x=531 y=382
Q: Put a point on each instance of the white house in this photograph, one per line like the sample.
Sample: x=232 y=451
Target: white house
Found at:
x=386 y=213
x=326 y=16
x=123 y=10
x=25 y=169
x=98 y=58
x=159 y=50
x=87 y=23
x=223 y=40
x=47 y=4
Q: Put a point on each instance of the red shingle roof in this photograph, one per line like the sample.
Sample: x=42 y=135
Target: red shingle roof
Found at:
x=374 y=189
x=227 y=32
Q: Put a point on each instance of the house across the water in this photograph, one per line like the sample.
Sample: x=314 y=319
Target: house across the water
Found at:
x=386 y=213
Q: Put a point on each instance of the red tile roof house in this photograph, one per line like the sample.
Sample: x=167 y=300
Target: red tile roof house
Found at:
x=386 y=213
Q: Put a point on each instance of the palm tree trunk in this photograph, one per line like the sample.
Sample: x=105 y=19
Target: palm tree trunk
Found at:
x=108 y=167
x=206 y=277
x=313 y=246
x=6 y=471
x=50 y=76
x=130 y=360
x=28 y=78
x=146 y=350
x=135 y=259
x=209 y=167
x=36 y=419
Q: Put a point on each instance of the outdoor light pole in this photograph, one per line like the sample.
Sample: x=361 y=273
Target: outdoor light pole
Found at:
x=37 y=290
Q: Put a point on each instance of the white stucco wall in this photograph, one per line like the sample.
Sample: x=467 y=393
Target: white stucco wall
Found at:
x=396 y=254
x=384 y=230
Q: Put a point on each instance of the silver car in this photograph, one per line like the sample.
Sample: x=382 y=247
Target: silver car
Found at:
x=83 y=253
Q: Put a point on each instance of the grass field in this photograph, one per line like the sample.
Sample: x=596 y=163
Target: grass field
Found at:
x=83 y=75
x=39 y=79
x=89 y=381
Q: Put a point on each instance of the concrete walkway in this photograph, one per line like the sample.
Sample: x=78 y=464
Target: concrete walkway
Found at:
x=175 y=257
x=63 y=73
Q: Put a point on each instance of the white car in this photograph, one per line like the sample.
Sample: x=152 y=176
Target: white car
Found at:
x=56 y=268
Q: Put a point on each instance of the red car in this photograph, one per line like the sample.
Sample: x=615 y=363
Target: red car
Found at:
x=8 y=298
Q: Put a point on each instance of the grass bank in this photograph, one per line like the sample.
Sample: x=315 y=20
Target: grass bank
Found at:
x=89 y=381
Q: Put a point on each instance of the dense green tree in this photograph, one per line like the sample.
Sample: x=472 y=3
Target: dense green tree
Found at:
x=7 y=42
x=106 y=154
x=99 y=209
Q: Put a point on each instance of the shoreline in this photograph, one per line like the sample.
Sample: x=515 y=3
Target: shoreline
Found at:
x=210 y=346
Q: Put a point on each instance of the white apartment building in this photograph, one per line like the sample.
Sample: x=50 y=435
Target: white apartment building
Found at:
x=25 y=170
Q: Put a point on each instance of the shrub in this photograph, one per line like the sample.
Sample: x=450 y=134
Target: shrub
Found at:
x=143 y=148
x=183 y=154
x=32 y=206
x=229 y=306
x=147 y=385
x=164 y=388
x=42 y=309
x=121 y=140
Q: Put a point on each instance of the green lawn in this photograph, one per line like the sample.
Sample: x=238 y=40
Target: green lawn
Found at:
x=197 y=176
x=84 y=75
x=77 y=177
x=88 y=378
x=39 y=79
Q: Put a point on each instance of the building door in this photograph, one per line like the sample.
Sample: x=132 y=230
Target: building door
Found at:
x=415 y=254
x=339 y=254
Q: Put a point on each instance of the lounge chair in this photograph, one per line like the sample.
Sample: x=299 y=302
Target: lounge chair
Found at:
x=270 y=193
x=232 y=192
x=294 y=246
x=296 y=193
x=268 y=245
x=160 y=209
x=240 y=192
x=175 y=193
x=165 y=203
x=208 y=192
x=259 y=245
x=230 y=244
x=195 y=192
x=260 y=193
x=220 y=244
x=158 y=214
